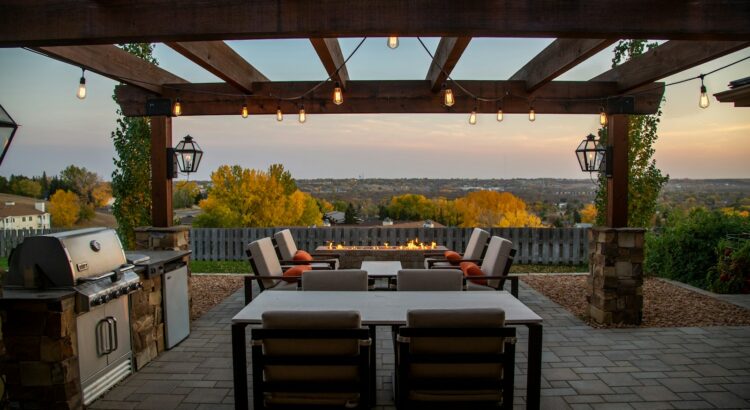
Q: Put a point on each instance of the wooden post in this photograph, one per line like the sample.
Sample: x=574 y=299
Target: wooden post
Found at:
x=617 y=184
x=161 y=186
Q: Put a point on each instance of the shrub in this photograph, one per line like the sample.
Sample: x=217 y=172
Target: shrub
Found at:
x=685 y=249
x=732 y=273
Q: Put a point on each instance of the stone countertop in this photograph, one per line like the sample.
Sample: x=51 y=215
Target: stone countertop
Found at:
x=35 y=295
x=155 y=265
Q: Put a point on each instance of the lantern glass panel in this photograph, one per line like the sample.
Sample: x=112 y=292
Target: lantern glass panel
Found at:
x=8 y=128
x=189 y=155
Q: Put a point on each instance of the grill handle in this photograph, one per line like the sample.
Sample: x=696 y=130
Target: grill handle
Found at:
x=112 y=333
x=101 y=349
x=95 y=278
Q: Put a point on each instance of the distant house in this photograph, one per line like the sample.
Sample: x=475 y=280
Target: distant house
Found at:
x=335 y=217
x=387 y=222
x=15 y=216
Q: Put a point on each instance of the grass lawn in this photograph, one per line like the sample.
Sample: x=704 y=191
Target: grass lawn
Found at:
x=4 y=263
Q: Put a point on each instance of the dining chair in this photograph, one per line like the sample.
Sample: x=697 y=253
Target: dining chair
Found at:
x=318 y=359
x=288 y=251
x=335 y=280
x=474 y=250
x=429 y=280
x=449 y=358
x=494 y=268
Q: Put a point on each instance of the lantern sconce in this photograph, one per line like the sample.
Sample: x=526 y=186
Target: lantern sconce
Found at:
x=185 y=157
x=592 y=155
x=8 y=129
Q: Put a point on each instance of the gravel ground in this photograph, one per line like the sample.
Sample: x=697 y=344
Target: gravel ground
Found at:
x=664 y=304
x=209 y=290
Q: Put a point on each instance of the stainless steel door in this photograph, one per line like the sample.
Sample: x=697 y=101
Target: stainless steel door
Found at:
x=176 y=306
x=116 y=312
x=92 y=342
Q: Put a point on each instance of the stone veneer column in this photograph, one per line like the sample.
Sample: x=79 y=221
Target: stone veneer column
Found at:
x=147 y=312
x=40 y=362
x=615 y=282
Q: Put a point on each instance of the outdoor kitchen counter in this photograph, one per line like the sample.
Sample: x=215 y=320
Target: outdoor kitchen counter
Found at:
x=35 y=295
x=160 y=262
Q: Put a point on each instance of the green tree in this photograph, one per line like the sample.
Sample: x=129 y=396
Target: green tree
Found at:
x=26 y=187
x=350 y=215
x=277 y=172
x=82 y=181
x=184 y=195
x=645 y=180
x=131 y=179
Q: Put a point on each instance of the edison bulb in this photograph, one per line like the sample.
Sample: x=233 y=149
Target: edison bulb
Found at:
x=603 y=118
x=279 y=114
x=338 y=96
x=703 y=102
x=499 y=115
x=302 y=115
x=532 y=115
x=81 y=94
x=473 y=117
x=244 y=111
x=448 y=98
x=392 y=42
x=177 y=108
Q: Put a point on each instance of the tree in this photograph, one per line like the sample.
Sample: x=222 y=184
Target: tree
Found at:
x=82 y=181
x=589 y=214
x=131 y=179
x=185 y=193
x=277 y=172
x=26 y=187
x=495 y=209
x=645 y=180
x=44 y=183
x=350 y=215
x=411 y=207
x=64 y=208
x=102 y=194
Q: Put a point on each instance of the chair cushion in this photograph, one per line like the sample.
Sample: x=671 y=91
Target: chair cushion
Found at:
x=296 y=271
x=496 y=258
x=335 y=280
x=470 y=270
x=453 y=257
x=476 y=243
x=302 y=256
x=285 y=242
x=265 y=259
x=429 y=280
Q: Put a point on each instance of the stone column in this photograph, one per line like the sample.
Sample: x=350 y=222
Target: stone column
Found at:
x=615 y=282
x=173 y=238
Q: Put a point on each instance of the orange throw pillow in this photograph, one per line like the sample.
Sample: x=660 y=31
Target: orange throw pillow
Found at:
x=302 y=256
x=471 y=269
x=296 y=272
x=452 y=257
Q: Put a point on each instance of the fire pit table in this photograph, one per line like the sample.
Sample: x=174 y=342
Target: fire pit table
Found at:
x=351 y=257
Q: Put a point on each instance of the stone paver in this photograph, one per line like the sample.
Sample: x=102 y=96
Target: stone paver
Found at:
x=583 y=368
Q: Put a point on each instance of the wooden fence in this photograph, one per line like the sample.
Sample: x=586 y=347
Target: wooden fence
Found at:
x=10 y=238
x=533 y=245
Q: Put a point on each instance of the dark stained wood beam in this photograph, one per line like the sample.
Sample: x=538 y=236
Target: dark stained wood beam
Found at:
x=69 y=22
x=161 y=185
x=448 y=52
x=617 y=184
x=403 y=96
x=667 y=59
x=115 y=63
x=557 y=58
x=222 y=61
x=740 y=96
x=329 y=52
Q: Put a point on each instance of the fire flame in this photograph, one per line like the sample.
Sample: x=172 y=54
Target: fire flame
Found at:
x=412 y=244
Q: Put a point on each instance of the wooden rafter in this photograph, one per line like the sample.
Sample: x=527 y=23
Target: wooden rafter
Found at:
x=329 y=52
x=740 y=96
x=222 y=61
x=667 y=59
x=55 y=22
x=115 y=63
x=402 y=96
x=557 y=58
x=448 y=52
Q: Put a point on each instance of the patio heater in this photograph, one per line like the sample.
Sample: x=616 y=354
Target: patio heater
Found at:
x=8 y=129
x=187 y=155
x=591 y=154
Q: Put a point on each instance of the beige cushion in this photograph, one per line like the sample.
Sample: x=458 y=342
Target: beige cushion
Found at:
x=436 y=264
x=430 y=280
x=475 y=246
x=266 y=261
x=333 y=280
x=493 y=264
x=286 y=244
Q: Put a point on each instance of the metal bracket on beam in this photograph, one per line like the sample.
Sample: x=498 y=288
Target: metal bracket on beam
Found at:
x=159 y=107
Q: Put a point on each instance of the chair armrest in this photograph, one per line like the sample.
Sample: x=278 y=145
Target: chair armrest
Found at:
x=513 y=281
x=326 y=255
x=331 y=263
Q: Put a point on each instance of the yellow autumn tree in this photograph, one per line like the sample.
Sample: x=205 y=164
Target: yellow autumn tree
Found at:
x=588 y=214
x=495 y=209
x=101 y=194
x=64 y=208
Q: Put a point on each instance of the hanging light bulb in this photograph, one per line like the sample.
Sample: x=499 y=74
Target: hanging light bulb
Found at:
x=338 y=95
x=473 y=116
x=602 y=117
x=302 y=115
x=279 y=114
x=448 y=98
x=244 y=111
x=500 y=114
x=177 y=108
x=81 y=94
x=703 y=102
x=532 y=114
x=393 y=42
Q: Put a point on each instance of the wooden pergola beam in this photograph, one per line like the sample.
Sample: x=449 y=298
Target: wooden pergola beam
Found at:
x=398 y=96
x=740 y=96
x=329 y=52
x=667 y=59
x=115 y=63
x=222 y=61
x=55 y=22
x=557 y=58
x=448 y=52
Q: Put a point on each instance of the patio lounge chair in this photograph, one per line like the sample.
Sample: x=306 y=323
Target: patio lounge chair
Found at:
x=318 y=359
x=429 y=280
x=455 y=359
x=494 y=268
x=287 y=249
x=472 y=253
x=336 y=280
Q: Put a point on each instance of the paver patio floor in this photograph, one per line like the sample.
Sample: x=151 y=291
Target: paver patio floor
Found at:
x=583 y=368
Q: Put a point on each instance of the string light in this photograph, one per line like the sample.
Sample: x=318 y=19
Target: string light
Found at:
x=244 y=111
x=448 y=98
x=473 y=116
x=177 y=108
x=338 y=96
x=393 y=42
x=532 y=114
x=81 y=94
x=602 y=117
x=500 y=114
x=279 y=114
x=703 y=102
x=302 y=115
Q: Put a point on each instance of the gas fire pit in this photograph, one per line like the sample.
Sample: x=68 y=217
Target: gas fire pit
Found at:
x=411 y=255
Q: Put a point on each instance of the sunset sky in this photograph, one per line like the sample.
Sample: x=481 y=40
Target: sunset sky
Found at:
x=59 y=130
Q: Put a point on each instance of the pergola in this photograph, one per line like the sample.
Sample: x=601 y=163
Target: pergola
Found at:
x=83 y=33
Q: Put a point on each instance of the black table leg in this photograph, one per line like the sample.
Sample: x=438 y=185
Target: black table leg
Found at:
x=534 y=375
x=239 y=366
x=373 y=372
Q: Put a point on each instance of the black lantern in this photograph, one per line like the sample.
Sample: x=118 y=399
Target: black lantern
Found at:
x=188 y=155
x=8 y=129
x=590 y=154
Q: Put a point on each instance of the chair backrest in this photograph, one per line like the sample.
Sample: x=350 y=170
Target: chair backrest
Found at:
x=334 y=280
x=264 y=261
x=429 y=280
x=285 y=242
x=476 y=244
x=310 y=357
x=496 y=258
